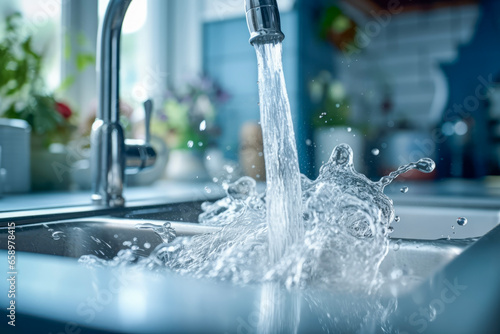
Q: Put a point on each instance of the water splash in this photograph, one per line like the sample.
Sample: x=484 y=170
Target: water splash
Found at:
x=346 y=220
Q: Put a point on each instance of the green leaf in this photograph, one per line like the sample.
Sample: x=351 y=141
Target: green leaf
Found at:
x=67 y=83
x=83 y=60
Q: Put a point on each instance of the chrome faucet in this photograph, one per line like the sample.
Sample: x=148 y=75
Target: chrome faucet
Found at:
x=263 y=20
x=112 y=156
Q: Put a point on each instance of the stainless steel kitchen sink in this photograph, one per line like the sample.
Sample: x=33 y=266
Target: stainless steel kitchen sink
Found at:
x=100 y=236
x=56 y=287
x=407 y=263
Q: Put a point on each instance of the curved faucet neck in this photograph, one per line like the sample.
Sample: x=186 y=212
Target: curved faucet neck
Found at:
x=108 y=55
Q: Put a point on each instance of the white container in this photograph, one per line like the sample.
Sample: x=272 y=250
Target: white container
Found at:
x=15 y=142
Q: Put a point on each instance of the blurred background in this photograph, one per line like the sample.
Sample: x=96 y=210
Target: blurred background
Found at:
x=397 y=80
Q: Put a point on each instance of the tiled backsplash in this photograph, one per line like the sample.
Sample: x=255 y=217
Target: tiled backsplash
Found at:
x=403 y=60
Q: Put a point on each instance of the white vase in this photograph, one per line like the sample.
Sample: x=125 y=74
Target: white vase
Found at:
x=186 y=165
x=325 y=140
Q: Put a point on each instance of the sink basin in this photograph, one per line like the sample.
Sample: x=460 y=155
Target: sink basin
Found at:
x=407 y=263
x=54 y=290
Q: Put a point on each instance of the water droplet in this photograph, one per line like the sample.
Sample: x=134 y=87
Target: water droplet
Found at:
x=397 y=245
x=337 y=105
x=462 y=221
x=209 y=158
x=190 y=143
x=57 y=235
x=208 y=190
x=200 y=144
x=147 y=245
x=404 y=190
x=425 y=165
x=375 y=151
x=215 y=180
x=203 y=125
x=308 y=142
x=397 y=219
x=349 y=129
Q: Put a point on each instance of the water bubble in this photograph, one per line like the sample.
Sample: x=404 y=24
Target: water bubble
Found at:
x=337 y=105
x=349 y=129
x=127 y=243
x=308 y=142
x=397 y=219
x=375 y=151
x=115 y=236
x=397 y=245
x=203 y=125
x=260 y=154
x=404 y=190
x=190 y=143
x=383 y=145
x=462 y=221
x=228 y=168
x=57 y=235
x=215 y=180
x=200 y=144
x=147 y=245
x=208 y=190
x=209 y=158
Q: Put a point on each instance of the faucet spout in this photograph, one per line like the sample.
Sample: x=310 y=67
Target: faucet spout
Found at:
x=110 y=152
x=263 y=20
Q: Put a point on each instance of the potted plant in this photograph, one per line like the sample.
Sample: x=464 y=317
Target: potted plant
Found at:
x=187 y=124
x=23 y=96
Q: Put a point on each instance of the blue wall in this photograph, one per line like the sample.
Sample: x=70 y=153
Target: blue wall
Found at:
x=230 y=60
